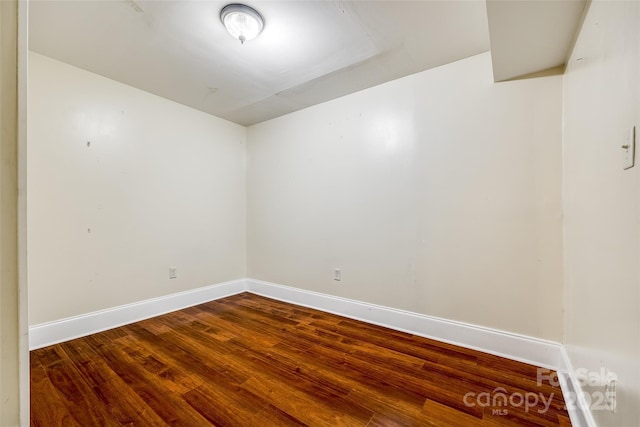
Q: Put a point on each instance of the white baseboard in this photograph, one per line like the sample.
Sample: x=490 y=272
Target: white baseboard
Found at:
x=513 y=346
x=535 y=351
x=577 y=406
x=70 y=328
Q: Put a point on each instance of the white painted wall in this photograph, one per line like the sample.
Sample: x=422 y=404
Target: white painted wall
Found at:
x=602 y=203
x=161 y=185
x=438 y=193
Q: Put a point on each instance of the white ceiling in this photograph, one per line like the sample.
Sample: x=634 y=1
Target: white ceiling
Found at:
x=530 y=36
x=309 y=51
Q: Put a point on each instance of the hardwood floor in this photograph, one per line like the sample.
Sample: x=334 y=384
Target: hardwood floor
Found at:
x=246 y=360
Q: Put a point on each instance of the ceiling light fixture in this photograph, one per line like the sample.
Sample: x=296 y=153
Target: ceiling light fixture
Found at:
x=241 y=21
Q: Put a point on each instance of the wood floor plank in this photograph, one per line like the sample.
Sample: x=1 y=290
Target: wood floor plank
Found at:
x=247 y=360
x=125 y=408
x=168 y=406
x=73 y=392
x=445 y=416
x=272 y=416
x=47 y=410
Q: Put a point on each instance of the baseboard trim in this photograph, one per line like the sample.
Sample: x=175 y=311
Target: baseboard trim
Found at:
x=49 y=333
x=577 y=406
x=531 y=350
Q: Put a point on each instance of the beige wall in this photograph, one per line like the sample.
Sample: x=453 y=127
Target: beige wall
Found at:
x=9 y=315
x=602 y=203
x=438 y=193
x=161 y=185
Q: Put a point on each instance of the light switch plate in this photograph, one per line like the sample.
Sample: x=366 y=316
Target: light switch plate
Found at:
x=629 y=147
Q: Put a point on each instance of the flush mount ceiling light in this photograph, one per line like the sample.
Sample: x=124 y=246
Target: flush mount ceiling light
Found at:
x=241 y=21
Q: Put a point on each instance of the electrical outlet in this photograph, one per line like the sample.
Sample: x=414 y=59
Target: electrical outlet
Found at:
x=173 y=272
x=337 y=275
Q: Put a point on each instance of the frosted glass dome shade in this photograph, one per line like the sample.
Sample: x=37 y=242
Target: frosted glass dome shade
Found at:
x=241 y=21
